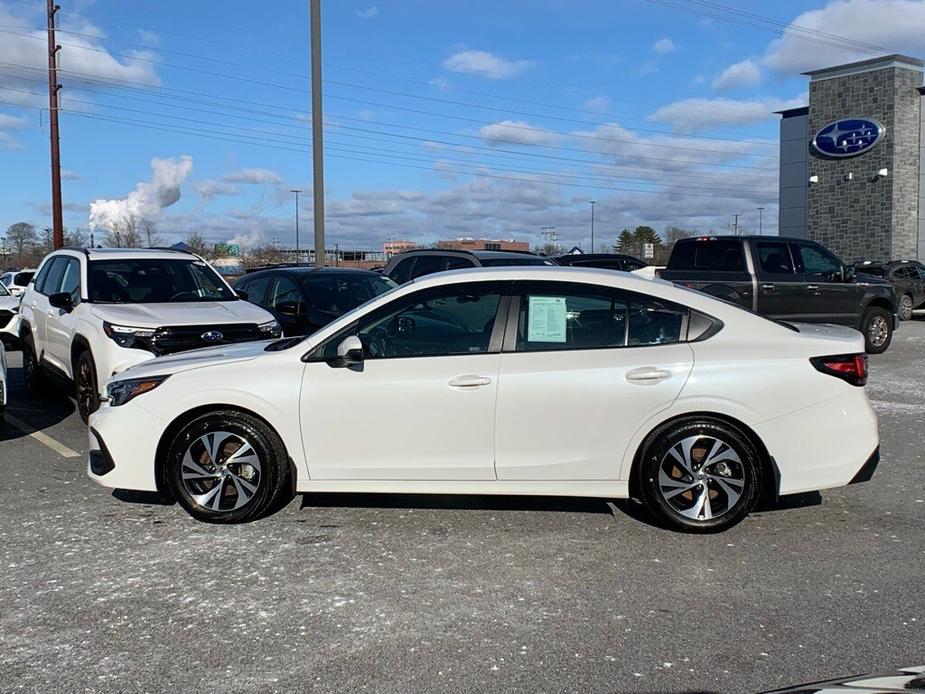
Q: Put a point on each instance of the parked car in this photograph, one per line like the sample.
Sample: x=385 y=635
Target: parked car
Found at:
x=91 y=313
x=409 y=265
x=905 y=679
x=605 y=261
x=787 y=279
x=907 y=278
x=9 y=318
x=3 y=386
x=16 y=281
x=516 y=380
x=303 y=298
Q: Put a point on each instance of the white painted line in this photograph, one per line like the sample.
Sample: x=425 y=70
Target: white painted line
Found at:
x=44 y=439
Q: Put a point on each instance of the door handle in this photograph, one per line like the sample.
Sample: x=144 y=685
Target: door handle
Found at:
x=469 y=381
x=647 y=375
x=813 y=287
x=768 y=287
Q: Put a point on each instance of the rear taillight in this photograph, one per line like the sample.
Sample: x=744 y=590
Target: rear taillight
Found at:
x=848 y=367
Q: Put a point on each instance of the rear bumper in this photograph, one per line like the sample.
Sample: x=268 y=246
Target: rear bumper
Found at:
x=868 y=469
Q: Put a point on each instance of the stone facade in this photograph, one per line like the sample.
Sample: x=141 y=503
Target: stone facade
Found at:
x=852 y=210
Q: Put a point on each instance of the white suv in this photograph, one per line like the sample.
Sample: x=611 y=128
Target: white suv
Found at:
x=16 y=281
x=9 y=317
x=91 y=313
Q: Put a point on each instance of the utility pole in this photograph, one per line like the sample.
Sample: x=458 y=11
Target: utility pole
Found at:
x=57 y=224
x=296 y=191
x=592 y=203
x=317 y=133
x=760 y=220
x=735 y=225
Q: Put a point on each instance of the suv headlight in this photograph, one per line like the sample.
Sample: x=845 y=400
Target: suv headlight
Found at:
x=120 y=392
x=270 y=329
x=129 y=337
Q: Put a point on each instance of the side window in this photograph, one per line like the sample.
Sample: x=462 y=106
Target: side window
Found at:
x=52 y=284
x=631 y=265
x=655 y=322
x=774 y=258
x=257 y=290
x=458 y=319
x=711 y=254
x=23 y=278
x=428 y=264
x=456 y=263
x=817 y=263
x=402 y=271
x=287 y=298
x=70 y=283
x=39 y=278
x=561 y=316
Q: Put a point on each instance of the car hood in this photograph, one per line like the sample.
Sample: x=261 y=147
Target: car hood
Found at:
x=907 y=679
x=181 y=313
x=196 y=359
x=864 y=278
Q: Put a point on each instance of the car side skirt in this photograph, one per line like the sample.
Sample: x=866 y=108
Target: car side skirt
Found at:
x=607 y=489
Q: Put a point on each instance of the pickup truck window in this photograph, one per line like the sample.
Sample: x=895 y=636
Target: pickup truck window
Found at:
x=774 y=258
x=817 y=263
x=711 y=254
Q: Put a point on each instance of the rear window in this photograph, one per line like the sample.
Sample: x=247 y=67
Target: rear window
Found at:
x=719 y=254
x=23 y=278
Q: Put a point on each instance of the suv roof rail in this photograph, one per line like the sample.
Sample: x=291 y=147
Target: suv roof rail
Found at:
x=82 y=249
x=276 y=266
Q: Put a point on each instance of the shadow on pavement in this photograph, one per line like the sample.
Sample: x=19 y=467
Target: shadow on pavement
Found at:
x=150 y=498
x=36 y=412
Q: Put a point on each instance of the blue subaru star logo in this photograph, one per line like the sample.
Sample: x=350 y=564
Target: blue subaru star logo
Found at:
x=213 y=336
x=848 y=137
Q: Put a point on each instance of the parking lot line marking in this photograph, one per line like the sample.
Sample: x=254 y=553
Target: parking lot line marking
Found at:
x=44 y=439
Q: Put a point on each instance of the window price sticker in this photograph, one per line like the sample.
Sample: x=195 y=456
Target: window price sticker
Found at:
x=546 y=319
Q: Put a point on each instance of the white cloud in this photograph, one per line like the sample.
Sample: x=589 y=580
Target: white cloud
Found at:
x=665 y=45
x=485 y=64
x=648 y=68
x=894 y=25
x=517 y=132
x=370 y=12
x=695 y=114
x=149 y=37
x=738 y=75
x=252 y=176
x=69 y=175
x=209 y=189
x=149 y=199
x=597 y=104
x=7 y=122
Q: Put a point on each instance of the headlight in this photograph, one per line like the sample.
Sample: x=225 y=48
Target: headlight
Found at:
x=120 y=392
x=131 y=338
x=270 y=329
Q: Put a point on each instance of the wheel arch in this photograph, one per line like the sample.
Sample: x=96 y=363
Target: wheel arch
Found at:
x=878 y=302
x=185 y=418
x=770 y=475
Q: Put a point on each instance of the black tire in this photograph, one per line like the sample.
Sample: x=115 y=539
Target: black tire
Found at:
x=699 y=496
x=877 y=327
x=31 y=369
x=905 y=307
x=85 y=385
x=224 y=495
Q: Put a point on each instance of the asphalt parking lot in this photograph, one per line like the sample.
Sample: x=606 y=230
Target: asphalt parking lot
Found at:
x=407 y=594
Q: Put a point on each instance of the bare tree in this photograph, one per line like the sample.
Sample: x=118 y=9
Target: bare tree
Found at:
x=198 y=245
x=124 y=233
x=262 y=255
x=149 y=229
x=21 y=237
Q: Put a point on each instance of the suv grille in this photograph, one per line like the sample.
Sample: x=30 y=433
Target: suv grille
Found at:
x=5 y=318
x=170 y=339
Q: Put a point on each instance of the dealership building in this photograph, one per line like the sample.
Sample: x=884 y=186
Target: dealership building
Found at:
x=852 y=162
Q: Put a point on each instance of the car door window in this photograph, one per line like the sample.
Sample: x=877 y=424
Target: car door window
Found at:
x=774 y=258
x=402 y=272
x=287 y=297
x=818 y=264
x=458 y=319
x=40 y=278
x=257 y=290
x=52 y=284
x=428 y=264
x=70 y=282
x=455 y=263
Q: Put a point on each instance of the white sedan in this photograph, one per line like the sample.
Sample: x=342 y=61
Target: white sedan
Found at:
x=548 y=381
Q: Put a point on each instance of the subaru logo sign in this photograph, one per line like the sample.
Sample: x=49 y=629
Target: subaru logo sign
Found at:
x=213 y=336
x=848 y=137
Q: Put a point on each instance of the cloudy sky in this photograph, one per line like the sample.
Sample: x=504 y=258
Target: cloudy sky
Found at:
x=484 y=119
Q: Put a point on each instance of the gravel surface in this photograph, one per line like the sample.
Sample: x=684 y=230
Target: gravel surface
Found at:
x=119 y=593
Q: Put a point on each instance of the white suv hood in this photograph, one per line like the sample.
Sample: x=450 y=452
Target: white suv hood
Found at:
x=185 y=313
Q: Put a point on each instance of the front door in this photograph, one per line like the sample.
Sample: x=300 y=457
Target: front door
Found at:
x=588 y=365
x=832 y=299
x=60 y=326
x=421 y=406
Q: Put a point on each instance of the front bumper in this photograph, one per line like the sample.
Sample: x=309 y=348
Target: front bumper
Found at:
x=123 y=447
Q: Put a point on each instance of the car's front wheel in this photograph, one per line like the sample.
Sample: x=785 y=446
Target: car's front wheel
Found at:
x=699 y=475
x=227 y=467
x=88 y=398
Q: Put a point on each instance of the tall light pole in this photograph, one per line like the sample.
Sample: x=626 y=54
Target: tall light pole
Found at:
x=760 y=220
x=296 y=191
x=592 y=203
x=317 y=133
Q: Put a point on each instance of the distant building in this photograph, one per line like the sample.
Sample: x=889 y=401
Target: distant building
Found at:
x=484 y=245
x=391 y=248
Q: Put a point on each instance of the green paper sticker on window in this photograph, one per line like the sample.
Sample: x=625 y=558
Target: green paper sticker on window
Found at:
x=546 y=319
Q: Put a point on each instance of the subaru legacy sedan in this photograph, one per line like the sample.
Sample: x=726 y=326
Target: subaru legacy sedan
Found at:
x=514 y=380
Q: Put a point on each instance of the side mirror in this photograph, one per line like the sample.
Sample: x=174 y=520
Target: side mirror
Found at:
x=242 y=295
x=849 y=274
x=349 y=352
x=62 y=301
x=288 y=308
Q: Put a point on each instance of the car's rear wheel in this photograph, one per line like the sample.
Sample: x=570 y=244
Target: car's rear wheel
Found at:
x=227 y=467
x=699 y=475
x=32 y=371
x=88 y=398
x=905 y=307
x=877 y=326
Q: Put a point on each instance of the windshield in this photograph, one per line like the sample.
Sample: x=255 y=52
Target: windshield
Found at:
x=142 y=281
x=342 y=292
x=507 y=262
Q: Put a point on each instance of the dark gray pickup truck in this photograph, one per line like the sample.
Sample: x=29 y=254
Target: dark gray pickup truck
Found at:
x=787 y=279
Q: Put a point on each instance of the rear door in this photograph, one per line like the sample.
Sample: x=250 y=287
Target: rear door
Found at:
x=830 y=299
x=582 y=366
x=782 y=292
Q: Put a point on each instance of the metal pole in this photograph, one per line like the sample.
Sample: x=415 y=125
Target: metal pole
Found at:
x=735 y=225
x=296 y=191
x=593 y=203
x=760 y=220
x=317 y=133
x=57 y=223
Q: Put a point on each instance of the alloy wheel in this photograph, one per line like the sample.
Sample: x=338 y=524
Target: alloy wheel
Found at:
x=221 y=471
x=701 y=477
x=905 y=307
x=877 y=331
x=85 y=390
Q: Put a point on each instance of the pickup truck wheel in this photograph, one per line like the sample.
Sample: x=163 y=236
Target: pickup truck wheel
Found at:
x=32 y=371
x=905 y=307
x=88 y=399
x=877 y=326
